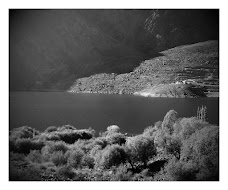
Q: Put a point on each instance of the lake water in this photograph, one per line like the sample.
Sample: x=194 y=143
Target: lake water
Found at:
x=131 y=113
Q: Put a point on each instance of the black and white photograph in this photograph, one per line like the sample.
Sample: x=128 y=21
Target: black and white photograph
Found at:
x=111 y=94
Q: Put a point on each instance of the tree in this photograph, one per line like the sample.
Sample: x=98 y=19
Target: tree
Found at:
x=140 y=149
x=112 y=155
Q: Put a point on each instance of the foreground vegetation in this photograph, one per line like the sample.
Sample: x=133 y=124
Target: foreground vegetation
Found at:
x=172 y=149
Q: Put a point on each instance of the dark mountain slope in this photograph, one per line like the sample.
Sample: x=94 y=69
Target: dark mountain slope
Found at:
x=49 y=49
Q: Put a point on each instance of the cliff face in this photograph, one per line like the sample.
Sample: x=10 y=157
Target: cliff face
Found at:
x=172 y=28
x=49 y=49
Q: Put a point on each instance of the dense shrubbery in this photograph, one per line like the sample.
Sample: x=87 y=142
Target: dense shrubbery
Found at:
x=172 y=149
x=140 y=149
x=23 y=132
x=112 y=155
x=70 y=136
x=25 y=145
x=51 y=129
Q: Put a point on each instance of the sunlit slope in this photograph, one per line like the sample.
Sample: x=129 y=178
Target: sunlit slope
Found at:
x=198 y=62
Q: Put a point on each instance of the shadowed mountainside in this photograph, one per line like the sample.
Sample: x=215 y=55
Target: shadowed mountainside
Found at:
x=49 y=49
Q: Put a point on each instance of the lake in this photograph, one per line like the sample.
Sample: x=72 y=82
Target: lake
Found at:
x=131 y=113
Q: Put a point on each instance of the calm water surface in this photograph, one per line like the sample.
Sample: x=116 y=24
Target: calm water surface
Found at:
x=131 y=113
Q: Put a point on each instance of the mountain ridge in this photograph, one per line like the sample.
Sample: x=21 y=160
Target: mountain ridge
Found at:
x=50 y=49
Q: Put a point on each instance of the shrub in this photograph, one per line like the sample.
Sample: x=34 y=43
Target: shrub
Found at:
x=59 y=158
x=16 y=160
x=85 y=145
x=26 y=145
x=168 y=121
x=95 y=151
x=159 y=140
x=52 y=147
x=203 y=149
x=65 y=173
x=66 y=127
x=190 y=126
x=50 y=136
x=140 y=149
x=75 y=158
x=23 y=132
x=113 y=129
x=121 y=173
x=82 y=175
x=35 y=156
x=88 y=161
x=101 y=141
x=181 y=171
x=51 y=129
x=174 y=147
x=149 y=131
x=112 y=155
x=27 y=174
x=110 y=130
x=70 y=136
x=12 y=145
x=116 y=138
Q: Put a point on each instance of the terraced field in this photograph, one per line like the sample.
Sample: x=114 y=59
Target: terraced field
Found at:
x=199 y=62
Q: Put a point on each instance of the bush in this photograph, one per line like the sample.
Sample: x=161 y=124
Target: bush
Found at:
x=140 y=149
x=66 y=127
x=27 y=174
x=70 y=136
x=59 y=158
x=181 y=171
x=51 y=129
x=112 y=155
x=149 y=131
x=101 y=141
x=65 y=173
x=95 y=151
x=12 y=145
x=23 y=132
x=121 y=173
x=116 y=138
x=110 y=130
x=52 y=147
x=75 y=158
x=35 y=156
x=88 y=161
x=203 y=149
x=168 y=122
x=26 y=145
x=50 y=136
x=190 y=126
x=113 y=129
x=174 y=147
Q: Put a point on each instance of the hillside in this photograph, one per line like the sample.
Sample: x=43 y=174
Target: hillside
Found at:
x=173 y=91
x=198 y=62
x=50 y=49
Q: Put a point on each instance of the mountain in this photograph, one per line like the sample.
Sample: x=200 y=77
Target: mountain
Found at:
x=50 y=49
x=191 y=67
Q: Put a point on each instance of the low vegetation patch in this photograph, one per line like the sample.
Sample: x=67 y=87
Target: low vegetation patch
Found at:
x=175 y=149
